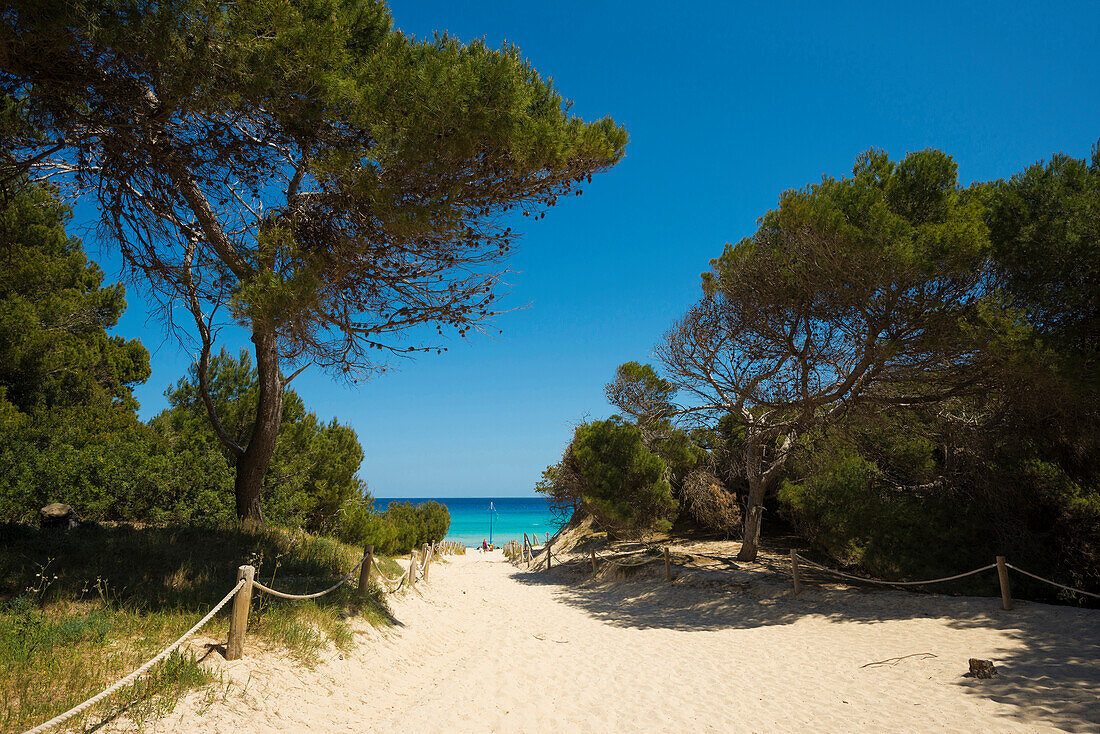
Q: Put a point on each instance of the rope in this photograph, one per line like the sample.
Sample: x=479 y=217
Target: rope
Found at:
x=895 y=583
x=284 y=595
x=400 y=582
x=134 y=675
x=1053 y=583
x=628 y=565
x=384 y=576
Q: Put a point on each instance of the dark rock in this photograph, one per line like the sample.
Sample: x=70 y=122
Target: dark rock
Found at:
x=982 y=668
x=57 y=516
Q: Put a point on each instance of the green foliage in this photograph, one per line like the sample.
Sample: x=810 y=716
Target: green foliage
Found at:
x=919 y=495
x=313 y=473
x=400 y=528
x=1045 y=227
x=82 y=608
x=67 y=418
x=895 y=221
x=625 y=484
x=68 y=426
x=100 y=459
x=55 y=312
x=338 y=181
x=843 y=507
x=640 y=392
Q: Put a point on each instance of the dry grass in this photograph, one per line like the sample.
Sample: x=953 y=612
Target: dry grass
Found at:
x=80 y=609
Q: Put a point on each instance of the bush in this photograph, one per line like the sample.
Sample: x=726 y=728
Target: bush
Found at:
x=891 y=533
x=400 y=528
x=708 y=502
x=625 y=486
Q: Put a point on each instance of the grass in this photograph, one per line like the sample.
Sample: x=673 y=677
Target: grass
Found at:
x=81 y=609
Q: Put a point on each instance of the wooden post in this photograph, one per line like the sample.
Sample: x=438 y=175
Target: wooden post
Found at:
x=364 y=570
x=427 y=562
x=668 y=566
x=412 y=570
x=548 y=553
x=795 y=573
x=1006 y=591
x=238 y=621
x=592 y=555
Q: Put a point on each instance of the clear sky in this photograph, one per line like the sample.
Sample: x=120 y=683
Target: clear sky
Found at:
x=727 y=104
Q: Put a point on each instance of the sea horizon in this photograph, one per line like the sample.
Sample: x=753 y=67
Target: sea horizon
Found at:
x=470 y=520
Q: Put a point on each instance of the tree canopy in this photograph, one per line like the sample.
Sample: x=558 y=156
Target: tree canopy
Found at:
x=68 y=421
x=299 y=168
x=55 y=312
x=852 y=290
x=608 y=472
x=314 y=470
x=1045 y=231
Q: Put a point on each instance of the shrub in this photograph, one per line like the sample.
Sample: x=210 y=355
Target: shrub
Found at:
x=708 y=502
x=400 y=528
x=625 y=486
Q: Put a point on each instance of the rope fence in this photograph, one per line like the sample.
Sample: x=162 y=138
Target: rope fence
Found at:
x=1001 y=564
x=76 y=710
x=1053 y=583
x=334 y=587
x=241 y=596
x=620 y=564
x=525 y=554
x=894 y=583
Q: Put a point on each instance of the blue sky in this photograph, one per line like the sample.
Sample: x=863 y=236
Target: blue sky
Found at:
x=727 y=105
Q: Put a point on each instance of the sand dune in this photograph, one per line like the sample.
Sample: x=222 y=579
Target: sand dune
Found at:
x=489 y=648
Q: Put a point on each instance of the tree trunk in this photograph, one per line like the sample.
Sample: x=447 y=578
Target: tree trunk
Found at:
x=754 y=517
x=754 y=505
x=253 y=463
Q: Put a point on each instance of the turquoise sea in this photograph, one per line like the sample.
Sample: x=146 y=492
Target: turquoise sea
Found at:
x=470 y=517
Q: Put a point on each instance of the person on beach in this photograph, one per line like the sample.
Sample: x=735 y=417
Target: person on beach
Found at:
x=484 y=546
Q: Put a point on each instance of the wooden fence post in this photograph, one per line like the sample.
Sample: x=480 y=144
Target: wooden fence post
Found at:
x=1006 y=591
x=548 y=553
x=668 y=566
x=592 y=555
x=412 y=570
x=427 y=561
x=795 y=573
x=364 y=570
x=238 y=621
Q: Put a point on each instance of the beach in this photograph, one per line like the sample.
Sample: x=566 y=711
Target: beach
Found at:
x=485 y=646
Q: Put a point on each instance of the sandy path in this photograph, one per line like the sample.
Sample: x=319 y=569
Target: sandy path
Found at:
x=489 y=648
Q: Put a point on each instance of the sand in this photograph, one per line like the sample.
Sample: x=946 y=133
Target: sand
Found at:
x=490 y=648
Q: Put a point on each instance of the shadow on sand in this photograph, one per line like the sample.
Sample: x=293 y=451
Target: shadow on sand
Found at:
x=1053 y=674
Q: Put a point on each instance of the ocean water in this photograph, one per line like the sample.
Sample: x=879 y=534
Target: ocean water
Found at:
x=512 y=517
